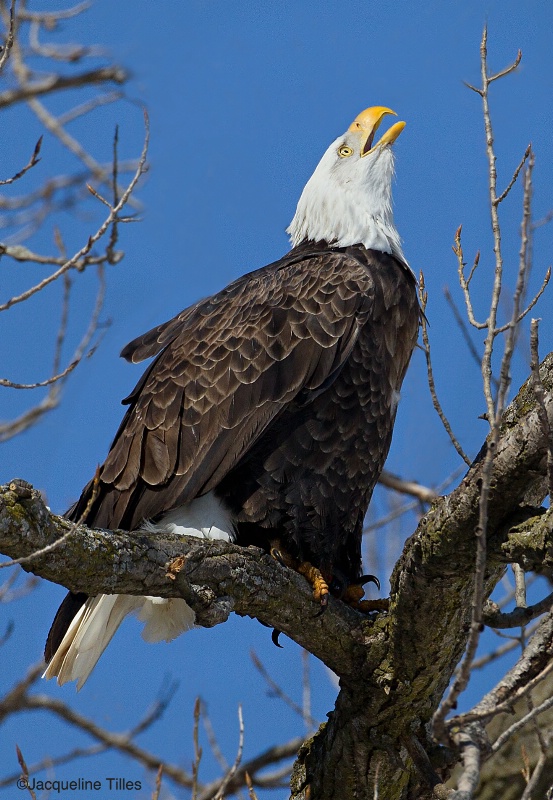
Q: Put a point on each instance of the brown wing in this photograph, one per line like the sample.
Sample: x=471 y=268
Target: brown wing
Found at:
x=229 y=365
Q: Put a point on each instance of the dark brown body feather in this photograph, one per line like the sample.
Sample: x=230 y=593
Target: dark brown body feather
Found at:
x=279 y=394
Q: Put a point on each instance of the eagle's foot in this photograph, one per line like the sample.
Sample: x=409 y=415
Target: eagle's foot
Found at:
x=312 y=574
x=315 y=578
x=354 y=594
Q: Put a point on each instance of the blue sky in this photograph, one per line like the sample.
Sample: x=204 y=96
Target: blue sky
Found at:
x=243 y=99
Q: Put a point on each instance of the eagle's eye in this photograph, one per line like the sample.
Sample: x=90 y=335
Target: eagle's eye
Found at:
x=344 y=151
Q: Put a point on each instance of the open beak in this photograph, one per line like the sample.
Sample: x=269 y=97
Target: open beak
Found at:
x=367 y=124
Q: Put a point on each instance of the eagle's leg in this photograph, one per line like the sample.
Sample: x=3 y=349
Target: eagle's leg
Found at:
x=312 y=574
x=354 y=593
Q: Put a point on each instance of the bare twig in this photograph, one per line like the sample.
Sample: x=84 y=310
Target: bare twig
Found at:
x=52 y=124
x=46 y=193
x=49 y=762
x=543 y=221
x=64 y=319
x=516 y=726
x=279 y=691
x=520 y=586
x=394 y=514
x=270 y=756
x=523 y=269
x=463 y=328
x=85 y=108
x=414 y=505
x=494 y=655
x=16 y=699
x=212 y=739
x=49 y=18
x=24 y=255
x=465 y=282
x=423 y=298
x=7 y=633
x=494 y=408
x=197 y=749
x=157 y=789
x=68 y=52
x=15 y=426
x=24 y=772
x=118 y=741
x=251 y=794
x=31 y=163
x=530 y=305
x=502 y=73
x=10 y=429
x=113 y=215
x=528 y=792
x=8 y=594
x=8 y=44
x=12 y=385
x=110 y=249
x=234 y=768
x=516 y=173
x=422 y=493
x=6 y=587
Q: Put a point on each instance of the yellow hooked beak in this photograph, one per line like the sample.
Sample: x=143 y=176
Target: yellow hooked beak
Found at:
x=367 y=124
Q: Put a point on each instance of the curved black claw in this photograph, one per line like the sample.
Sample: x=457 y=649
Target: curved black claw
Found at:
x=324 y=605
x=368 y=579
x=277 y=555
x=274 y=637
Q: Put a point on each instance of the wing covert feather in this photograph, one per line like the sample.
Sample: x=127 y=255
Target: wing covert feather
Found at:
x=227 y=367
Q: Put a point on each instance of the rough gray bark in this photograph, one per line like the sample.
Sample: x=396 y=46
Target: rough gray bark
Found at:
x=394 y=669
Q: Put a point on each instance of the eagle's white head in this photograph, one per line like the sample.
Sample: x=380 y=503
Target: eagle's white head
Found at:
x=348 y=199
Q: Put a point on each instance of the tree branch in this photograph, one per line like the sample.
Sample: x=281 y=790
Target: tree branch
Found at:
x=53 y=83
x=396 y=661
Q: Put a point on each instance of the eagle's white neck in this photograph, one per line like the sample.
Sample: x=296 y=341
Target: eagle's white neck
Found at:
x=343 y=207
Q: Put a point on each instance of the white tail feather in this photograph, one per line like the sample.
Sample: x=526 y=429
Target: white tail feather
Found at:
x=165 y=619
x=93 y=626
x=95 y=623
x=88 y=636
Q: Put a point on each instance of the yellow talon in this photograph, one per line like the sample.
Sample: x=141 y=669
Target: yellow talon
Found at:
x=312 y=575
x=315 y=578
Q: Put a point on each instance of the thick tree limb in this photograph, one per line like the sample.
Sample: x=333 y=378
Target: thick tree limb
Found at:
x=393 y=670
x=215 y=577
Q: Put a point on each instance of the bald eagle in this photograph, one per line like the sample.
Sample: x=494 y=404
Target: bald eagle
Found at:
x=268 y=410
